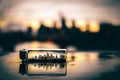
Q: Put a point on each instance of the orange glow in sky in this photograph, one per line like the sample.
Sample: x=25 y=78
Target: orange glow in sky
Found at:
x=3 y=24
x=94 y=27
x=35 y=25
x=91 y=26
x=58 y=24
x=49 y=23
x=69 y=23
x=81 y=25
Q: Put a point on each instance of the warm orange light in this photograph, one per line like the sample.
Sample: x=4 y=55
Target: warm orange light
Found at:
x=82 y=56
x=83 y=29
x=94 y=27
x=49 y=23
x=69 y=23
x=58 y=25
x=81 y=25
x=35 y=25
x=3 y=24
x=69 y=55
x=43 y=69
x=93 y=55
x=26 y=23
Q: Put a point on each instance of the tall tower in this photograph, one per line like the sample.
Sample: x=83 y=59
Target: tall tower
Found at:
x=29 y=31
x=64 y=27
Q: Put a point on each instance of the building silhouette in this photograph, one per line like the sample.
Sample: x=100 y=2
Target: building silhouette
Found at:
x=108 y=38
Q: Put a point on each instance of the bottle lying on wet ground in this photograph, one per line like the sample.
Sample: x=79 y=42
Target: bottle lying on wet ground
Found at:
x=43 y=55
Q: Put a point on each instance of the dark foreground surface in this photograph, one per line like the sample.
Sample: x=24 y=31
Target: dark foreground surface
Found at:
x=80 y=65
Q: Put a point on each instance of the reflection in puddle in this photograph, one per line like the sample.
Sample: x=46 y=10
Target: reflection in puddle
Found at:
x=43 y=62
x=43 y=69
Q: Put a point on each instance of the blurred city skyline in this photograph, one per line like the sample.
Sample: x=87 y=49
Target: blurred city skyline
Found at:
x=26 y=13
x=82 y=25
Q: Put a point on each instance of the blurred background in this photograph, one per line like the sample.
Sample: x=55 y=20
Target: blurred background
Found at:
x=71 y=24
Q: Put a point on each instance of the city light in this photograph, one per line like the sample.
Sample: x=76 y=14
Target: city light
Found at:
x=35 y=25
x=3 y=24
x=94 y=27
x=58 y=25
x=48 y=22
x=81 y=24
x=69 y=23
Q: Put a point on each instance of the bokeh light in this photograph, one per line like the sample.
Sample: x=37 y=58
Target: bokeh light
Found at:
x=81 y=24
x=48 y=23
x=58 y=24
x=35 y=25
x=69 y=23
x=94 y=27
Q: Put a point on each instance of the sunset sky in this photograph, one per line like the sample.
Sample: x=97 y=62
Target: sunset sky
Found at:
x=33 y=11
x=105 y=10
